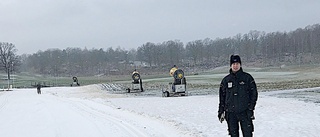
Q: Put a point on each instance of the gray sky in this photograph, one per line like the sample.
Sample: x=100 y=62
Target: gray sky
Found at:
x=34 y=25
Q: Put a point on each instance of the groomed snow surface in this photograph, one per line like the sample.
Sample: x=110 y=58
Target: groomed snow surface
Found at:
x=89 y=111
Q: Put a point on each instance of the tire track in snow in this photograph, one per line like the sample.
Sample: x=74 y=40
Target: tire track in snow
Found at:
x=73 y=106
x=4 y=100
x=57 y=131
x=85 y=110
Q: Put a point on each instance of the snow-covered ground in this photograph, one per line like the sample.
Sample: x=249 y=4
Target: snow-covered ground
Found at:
x=90 y=111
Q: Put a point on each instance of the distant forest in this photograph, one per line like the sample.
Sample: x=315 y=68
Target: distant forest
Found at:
x=301 y=46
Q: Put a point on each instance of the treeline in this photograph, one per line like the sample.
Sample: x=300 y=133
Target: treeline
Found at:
x=301 y=46
x=77 y=62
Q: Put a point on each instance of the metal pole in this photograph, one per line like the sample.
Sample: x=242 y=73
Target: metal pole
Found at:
x=12 y=76
x=8 y=81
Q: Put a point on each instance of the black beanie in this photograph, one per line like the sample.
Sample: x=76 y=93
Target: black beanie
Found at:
x=235 y=58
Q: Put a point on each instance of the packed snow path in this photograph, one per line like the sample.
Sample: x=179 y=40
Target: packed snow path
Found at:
x=25 y=113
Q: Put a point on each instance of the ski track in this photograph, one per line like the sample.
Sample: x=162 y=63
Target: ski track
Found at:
x=58 y=116
x=86 y=110
x=4 y=100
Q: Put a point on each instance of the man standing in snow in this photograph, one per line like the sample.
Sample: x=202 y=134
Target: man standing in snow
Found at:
x=237 y=99
x=39 y=88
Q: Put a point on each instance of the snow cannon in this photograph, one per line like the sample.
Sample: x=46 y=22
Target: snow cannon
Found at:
x=136 y=82
x=135 y=76
x=75 y=82
x=172 y=70
x=178 y=86
x=178 y=74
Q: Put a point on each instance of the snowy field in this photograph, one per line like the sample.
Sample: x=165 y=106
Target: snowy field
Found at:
x=93 y=111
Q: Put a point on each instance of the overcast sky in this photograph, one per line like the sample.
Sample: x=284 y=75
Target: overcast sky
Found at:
x=34 y=25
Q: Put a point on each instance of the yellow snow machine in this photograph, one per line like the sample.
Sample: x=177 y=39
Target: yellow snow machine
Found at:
x=136 y=82
x=178 y=86
x=75 y=82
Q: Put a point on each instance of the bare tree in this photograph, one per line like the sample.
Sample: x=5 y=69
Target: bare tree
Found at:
x=8 y=58
x=145 y=52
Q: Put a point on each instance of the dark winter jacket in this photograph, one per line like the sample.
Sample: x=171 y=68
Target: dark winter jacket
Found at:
x=38 y=87
x=238 y=92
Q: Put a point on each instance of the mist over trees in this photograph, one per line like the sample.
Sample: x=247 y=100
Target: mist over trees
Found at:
x=301 y=46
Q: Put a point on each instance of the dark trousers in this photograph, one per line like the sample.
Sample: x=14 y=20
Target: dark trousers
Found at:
x=233 y=120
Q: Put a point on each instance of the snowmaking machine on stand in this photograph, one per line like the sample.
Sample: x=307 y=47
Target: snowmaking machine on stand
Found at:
x=136 y=82
x=178 y=86
x=75 y=82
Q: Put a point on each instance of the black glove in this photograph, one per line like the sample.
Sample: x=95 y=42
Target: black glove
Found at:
x=221 y=116
x=250 y=114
